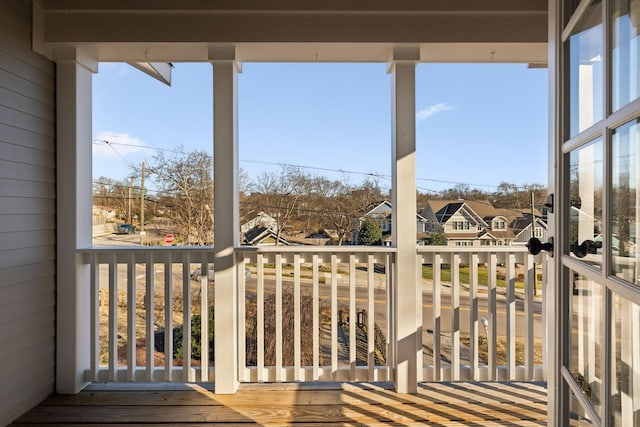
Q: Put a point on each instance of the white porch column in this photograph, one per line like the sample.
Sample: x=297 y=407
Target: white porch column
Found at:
x=73 y=176
x=403 y=227
x=225 y=197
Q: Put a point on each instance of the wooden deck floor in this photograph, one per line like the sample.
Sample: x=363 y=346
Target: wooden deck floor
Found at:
x=436 y=404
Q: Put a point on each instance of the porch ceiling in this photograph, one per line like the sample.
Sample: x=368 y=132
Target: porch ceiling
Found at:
x=291 y=30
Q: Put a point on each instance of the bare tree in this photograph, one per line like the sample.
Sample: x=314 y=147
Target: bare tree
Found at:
x=187 y=180
x=279 y=193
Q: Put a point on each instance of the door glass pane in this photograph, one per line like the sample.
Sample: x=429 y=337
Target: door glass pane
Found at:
x=585 y=210
x=626 y=52
x=578 y=417
x=625 y=365
x=625 y=192
x=586 y=337
x=585 y=71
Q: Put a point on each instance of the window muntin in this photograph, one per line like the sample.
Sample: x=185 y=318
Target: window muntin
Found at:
x=625 y=54
x=586 y=322
x=585 y=202
x=586 y=71
x=625 y=192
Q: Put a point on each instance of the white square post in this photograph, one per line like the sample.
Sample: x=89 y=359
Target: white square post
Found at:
x=407 y=322
x=74 y=200
x=227 y=227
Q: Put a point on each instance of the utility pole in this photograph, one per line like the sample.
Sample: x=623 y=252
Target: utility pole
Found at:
x=130 y=191
x=142 y=232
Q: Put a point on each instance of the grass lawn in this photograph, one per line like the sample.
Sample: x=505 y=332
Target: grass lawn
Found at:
x=483 y=276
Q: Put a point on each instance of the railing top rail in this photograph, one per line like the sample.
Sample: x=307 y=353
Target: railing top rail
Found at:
x=349 y=249
x=472 y=249
x=145 y=249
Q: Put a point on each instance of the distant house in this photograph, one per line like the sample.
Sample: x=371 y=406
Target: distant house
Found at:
x=479 y=223
x=381 y=214
x=263 y=236
x=102 y=214
x=260 y=220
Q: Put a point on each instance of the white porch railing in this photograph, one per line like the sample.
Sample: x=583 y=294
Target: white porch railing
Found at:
x=312 y=314
x=491 y=304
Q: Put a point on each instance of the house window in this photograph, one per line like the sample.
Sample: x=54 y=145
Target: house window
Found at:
x=460 y=225
x=499 y=225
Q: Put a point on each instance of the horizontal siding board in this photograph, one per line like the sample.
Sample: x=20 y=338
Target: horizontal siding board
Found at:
x=27 y=155
x=24 y=306
x=19 y=188
x=26 y=121
x=30 y=319
x=12 y=136
x=40 y=287
x=14 y=346
x=26 y=88
x=43 y=78
x=27 y=239
x=26 y=256
x=15 y=274
x=27 y=215
x=24 y=104
x=27 y=205
x=12 y=170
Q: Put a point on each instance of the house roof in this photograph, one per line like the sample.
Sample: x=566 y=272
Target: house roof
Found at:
x=258 y=233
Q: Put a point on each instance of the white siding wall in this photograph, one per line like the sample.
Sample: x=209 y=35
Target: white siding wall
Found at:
x=27 y=216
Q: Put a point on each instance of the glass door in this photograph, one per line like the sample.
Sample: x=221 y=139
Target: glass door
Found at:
x=596 y=180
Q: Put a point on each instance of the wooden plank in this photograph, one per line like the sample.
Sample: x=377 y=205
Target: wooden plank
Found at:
x=94 y=298
x=371 y=317
x=113 y=318
x=42 y=271
x=17 y=187
x=27 y=205
x=529 y=347
x=23 y=240
x=149 y=315
x=26 y=121
x=265 y=415
x=186 y=320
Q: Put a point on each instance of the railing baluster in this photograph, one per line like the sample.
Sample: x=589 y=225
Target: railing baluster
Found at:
x=279 y=376
x=491 y=312
x=168 y=318
x=511 y=316
x=242 y=319
x=204 y=318
x=455 y=317
x=296 y=317
x=353 y=317
x=113 y=317
x=95 y=317
x=334 y=317
x=186 y=319
x=371 y=318
x=132 y=307
x=316 y=317
x=473 y=316
x=437 y=313
x=529 y=348
x=260 y=315
x=150 y=315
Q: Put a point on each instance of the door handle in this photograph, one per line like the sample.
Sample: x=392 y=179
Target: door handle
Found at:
x=587 y=247
x=535 y=246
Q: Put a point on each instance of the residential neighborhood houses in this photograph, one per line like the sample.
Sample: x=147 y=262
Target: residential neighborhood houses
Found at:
x=450 y=222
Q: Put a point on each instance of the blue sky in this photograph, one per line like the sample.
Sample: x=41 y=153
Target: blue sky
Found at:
x=478 y=124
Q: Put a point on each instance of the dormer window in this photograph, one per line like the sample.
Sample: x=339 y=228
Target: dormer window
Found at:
x=499 y=224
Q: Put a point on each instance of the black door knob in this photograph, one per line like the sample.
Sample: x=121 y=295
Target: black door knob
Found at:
x=587 y=247
x=535 y=246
